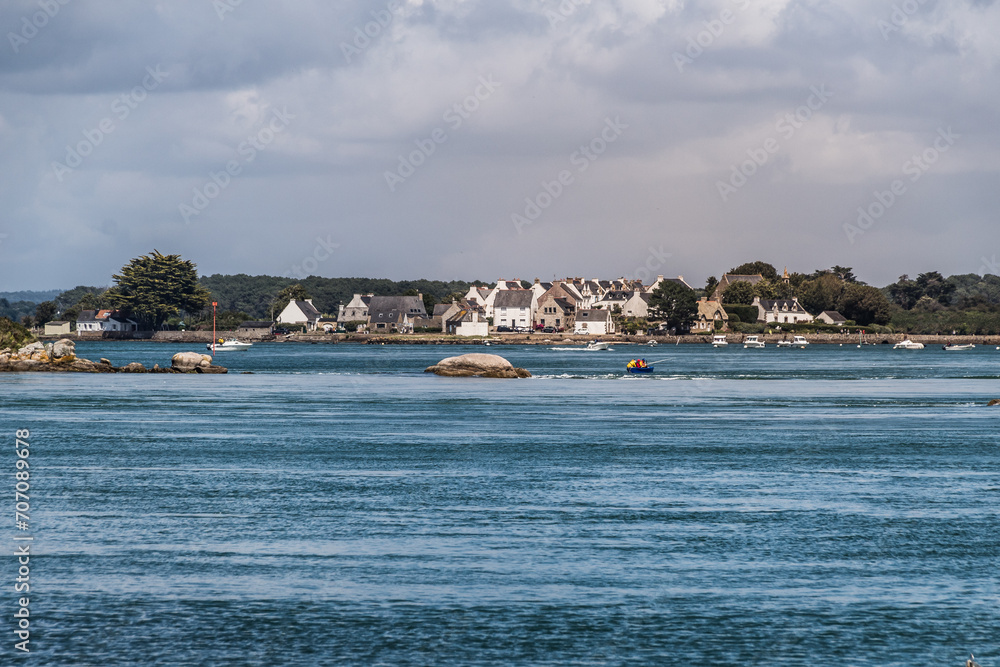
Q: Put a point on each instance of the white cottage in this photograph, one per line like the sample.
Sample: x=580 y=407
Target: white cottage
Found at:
x=300 y=313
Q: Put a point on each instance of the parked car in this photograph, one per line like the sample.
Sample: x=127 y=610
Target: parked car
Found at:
x=281 y=331
x=504 y=329
x=523 y=330
x=549 y=330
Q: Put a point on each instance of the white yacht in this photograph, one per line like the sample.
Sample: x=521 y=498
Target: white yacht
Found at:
x=753 y=342
x=908 y=345
x=230 y=345
x=719 y=341
x=799 y=341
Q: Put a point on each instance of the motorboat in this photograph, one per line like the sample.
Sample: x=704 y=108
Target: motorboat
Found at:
x=908 y=345
x=957 y=348
x=638 y=366
x=598 y=345
x=719 y=341
x=799 y=341
x=784 y=343
x=232 y=345
x=753 y=342
x=651 y=343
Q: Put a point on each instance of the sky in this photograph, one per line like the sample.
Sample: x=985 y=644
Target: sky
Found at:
x=486 y=139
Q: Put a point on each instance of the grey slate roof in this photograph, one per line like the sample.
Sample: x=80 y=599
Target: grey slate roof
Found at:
x=393 y=308
x=513 y=299
x=592 y=315
x=834 y=315
x=308 y=310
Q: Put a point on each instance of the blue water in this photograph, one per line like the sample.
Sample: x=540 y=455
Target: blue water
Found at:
x=829 y=506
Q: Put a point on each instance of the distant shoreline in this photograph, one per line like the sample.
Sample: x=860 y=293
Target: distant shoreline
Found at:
x=203 y=337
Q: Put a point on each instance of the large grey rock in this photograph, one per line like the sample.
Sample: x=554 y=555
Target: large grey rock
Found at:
x=134 y=367
x=479 y=365
x=187 y=362
x=63 y=347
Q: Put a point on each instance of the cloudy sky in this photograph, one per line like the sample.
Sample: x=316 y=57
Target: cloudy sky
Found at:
x=478 y=139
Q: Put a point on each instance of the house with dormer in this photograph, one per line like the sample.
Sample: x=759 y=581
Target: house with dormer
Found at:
x=593 y=322
x=395 y=314
x=781 y=311
x=514 y=309
x=730 y=278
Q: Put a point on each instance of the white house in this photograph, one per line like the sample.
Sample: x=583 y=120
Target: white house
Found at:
x=637 y=305
x=513 y=308
x=781 y=311
x=300 y=313
x=471 y=325
x=356 y=310
x=831 y=317
x=87 y=321
x=594 y=322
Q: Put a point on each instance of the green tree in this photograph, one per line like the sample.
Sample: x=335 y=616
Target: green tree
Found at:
x=753 y=268
x=153 y=287
x=905 y=292
x=674 y=304
x=821 y=293
x=14 y=335
x=864 y=304
x=740 y=292
x=846 y=274
x=710 y=286
x=934 y=285
x=294 y=292
x=44 y=312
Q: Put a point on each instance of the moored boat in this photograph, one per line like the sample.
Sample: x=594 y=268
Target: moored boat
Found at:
x=719 y=341
x=957 y=348
x=799 y=341
x=231 y=345
x=753 y=342
x=908 y=345
x=784 y=343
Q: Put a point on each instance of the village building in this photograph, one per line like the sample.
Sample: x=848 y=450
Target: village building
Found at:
x=254 y=329
x=57 y=328
x=709 y=314
x=781 y=311
x=594 y=322
x=388 y=314
x=730 y=278
x=831 y=317
x=637 y=305
x=513 y=308
x=300 y=313
x=555 y=311
x=356 y=310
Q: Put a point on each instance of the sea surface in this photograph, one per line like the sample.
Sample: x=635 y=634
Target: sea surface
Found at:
x=334 y=505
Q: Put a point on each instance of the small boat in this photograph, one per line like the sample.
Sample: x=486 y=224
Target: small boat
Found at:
x=638 y=366
x=598 y=345
x=753 y=342
x=908 y=345
x=957 y=348
x=719 y=341
x=784 y=343
x=652 y=343
x=231 y=345
x=799 y=341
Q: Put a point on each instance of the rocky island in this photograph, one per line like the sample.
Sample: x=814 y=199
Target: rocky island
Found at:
x=477 y=365
x=60 y=357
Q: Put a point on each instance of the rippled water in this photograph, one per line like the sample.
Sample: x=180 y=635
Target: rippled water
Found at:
x=829 y=506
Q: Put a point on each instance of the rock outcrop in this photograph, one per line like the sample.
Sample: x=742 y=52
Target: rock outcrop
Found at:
x=60 y=357
x=477 y=365
x=995 y=401
x=189 y=362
